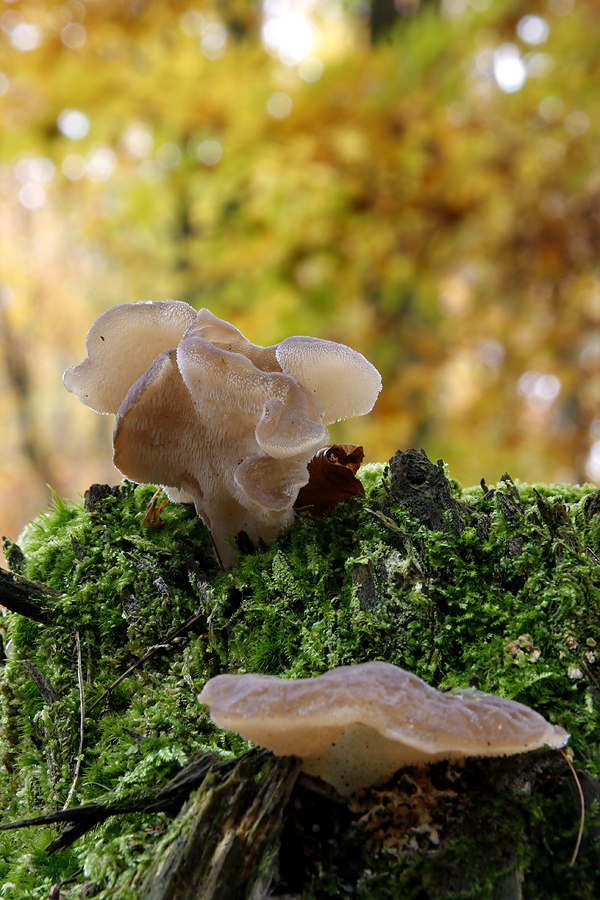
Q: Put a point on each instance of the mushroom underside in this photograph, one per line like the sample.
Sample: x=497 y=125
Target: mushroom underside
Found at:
x=356 y=725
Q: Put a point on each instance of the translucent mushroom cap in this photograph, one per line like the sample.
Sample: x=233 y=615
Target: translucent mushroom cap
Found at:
x=356 y=725
x=345 y=382
x=120 y=346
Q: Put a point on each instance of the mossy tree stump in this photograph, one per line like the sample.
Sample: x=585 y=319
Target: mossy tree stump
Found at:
x=498 y=587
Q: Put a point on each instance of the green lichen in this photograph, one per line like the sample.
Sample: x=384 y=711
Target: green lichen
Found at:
x=512 y=601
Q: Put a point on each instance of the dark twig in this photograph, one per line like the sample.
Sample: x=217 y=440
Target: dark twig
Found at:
x=56 y=888
x=47 y=691
x=81 y=720
x=582 y=817
x=160 y=646
x=20 y=596
x=169 y=799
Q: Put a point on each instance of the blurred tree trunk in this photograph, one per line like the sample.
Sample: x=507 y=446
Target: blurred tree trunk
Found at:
x=385 y=14
x=19 y=381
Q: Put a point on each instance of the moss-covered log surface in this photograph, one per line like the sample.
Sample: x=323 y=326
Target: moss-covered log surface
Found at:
x=496 y=587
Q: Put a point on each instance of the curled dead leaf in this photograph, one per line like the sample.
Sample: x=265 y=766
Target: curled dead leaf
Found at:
x=332 y=478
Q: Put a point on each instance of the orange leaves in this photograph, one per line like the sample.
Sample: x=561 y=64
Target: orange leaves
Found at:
x=154 y=509
x=332 y=478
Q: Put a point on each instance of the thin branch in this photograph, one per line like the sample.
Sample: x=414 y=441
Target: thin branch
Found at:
x=47 y=691
x=582 y=819
x=160 y=646
x=81 y=720
x=55 y=889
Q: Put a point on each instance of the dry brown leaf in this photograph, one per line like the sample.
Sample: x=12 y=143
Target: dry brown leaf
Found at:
x=332 y=478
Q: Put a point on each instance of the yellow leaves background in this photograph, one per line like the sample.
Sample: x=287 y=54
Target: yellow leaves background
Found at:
x=399 y=201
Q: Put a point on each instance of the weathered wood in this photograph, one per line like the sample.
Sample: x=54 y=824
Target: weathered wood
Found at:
x=423 y=490
x=227 y=837
x=29 y=599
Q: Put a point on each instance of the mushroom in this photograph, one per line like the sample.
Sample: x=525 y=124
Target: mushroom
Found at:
x=214 y=418
x=356 y=725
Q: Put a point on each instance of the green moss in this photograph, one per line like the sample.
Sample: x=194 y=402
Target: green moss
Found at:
x=513 y=601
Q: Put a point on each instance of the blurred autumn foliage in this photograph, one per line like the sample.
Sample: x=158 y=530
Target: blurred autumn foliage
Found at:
x=431 y=199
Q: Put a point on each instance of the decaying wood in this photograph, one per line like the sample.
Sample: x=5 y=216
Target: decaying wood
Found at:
x=227 y=840
x=424 y=491
x=29 y=599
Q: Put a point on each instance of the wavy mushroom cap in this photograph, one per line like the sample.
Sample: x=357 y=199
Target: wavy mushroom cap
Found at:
x=345 y=382
x=212 y=416
x=120 y=346
x=227 y=337
x=149 y=443
x=235 y=439
x=356 y=725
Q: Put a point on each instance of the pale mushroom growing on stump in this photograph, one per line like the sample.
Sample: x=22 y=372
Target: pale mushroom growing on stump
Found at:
x=214 y=418
x=356 y=725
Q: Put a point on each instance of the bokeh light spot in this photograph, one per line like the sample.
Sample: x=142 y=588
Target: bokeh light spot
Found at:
x=192 y=22
x=577 y=122
x=73 y=124
x=453 y=9
x=38 y=169
x=551 y=108
x=533 y=29
x=279 y=105
x=32 y=195
x=100 y=165
x=73 y=167
x=10 y=19
x=560 y=7
x=288 y=33
x=25 y=37
x=310 y=69
x=169 y=155
x=213 y=40
x=592 y=465
x=59 y=16
x=509 y=69
x=73 y=35
x=210 y=152
x=490 y=352
x=539 y=390
x=137 y=140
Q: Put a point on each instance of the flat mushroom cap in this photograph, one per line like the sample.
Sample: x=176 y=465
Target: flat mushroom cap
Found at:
x=345 y=382
x=356 y=725
x=120 y=346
